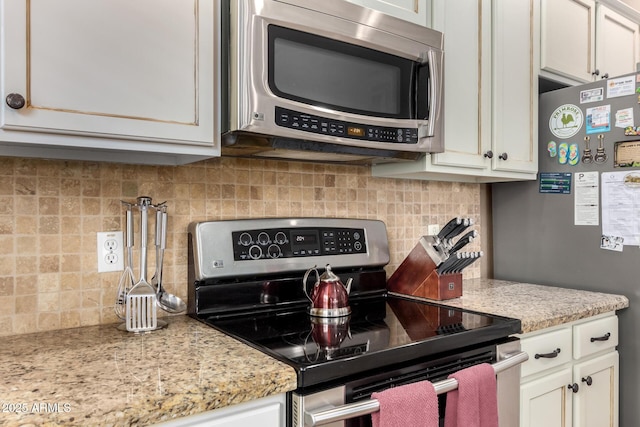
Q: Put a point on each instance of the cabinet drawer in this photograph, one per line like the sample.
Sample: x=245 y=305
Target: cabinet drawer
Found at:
x=552 y=349
x=597 y=335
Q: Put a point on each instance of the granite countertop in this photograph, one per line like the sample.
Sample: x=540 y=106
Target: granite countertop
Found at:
x=536 y=306
x=102 y=376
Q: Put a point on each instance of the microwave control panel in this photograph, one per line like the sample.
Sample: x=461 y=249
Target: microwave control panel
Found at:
x=316 y=124
x=297 y=242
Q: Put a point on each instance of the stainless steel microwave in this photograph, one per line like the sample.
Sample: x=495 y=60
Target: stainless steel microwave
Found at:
x=328 y=81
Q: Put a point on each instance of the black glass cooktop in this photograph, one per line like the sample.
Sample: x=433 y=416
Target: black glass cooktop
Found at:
x=382 y=331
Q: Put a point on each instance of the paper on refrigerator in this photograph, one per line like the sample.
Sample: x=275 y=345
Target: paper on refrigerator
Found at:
x=586 y=202
x=621 y=206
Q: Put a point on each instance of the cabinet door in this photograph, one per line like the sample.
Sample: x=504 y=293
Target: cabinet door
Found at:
x=617 y=43
x=265 y=412
x=547 y=401
x=596 y=404
x=515 y=86
x=567 y=38
x=140 y=70
x=467 y=82
x=410 y=10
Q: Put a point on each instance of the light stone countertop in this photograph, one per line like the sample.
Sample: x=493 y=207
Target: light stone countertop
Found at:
x=536 y=306
x=101 y=376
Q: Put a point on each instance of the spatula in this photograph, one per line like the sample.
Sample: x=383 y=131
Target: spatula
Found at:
x=141 y=315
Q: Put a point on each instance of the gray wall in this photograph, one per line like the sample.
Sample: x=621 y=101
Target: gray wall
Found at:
x=535 y=241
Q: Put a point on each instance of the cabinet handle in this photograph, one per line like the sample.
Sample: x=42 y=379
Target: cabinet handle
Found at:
x=551 y=355
x=573 y=387
x=596 y=72
x=587 y=380
x=605 y=76
x=15 y=101
x=605 y=337
x=488 y=154
x=503 y=156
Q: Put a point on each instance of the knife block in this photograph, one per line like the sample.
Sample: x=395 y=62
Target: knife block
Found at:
x=417 y=275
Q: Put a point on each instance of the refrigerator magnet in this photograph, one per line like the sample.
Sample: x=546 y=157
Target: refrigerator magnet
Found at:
x=574 y=154
x=565 y=121
x=552 y=149
x=598 y=119
x=563 y=149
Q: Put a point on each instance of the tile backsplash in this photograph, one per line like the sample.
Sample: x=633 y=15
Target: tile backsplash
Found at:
x=50 y=212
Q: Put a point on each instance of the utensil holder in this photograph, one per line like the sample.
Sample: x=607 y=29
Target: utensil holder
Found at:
x=417 y=275
x=143 y=318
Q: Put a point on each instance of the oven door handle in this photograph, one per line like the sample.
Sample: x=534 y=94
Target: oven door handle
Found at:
x=352 y=410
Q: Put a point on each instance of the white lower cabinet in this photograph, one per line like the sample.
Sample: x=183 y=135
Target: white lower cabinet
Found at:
x=596 y=403
x=571 y=377
x=265 y=412
x=546 y=402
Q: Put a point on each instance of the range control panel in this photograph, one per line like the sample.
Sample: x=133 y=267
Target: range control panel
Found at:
x=297 y=242
x=316 y=124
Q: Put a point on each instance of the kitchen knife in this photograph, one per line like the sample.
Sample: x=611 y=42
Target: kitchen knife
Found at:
x=458 y=266
x=448 y=263
x=469 y=261
x=464 y=240
x=463 y=225
x=449 y=227
x=460 y=256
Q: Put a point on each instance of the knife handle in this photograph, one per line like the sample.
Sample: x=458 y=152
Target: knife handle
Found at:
x=463 y=241
x=449 y=227
x=464 y=224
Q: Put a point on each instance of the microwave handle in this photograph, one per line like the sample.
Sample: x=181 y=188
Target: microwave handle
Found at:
x=434 y=60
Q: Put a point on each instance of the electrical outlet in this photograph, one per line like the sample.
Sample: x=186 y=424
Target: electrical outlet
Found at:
x=432 y=229
x=110 y=251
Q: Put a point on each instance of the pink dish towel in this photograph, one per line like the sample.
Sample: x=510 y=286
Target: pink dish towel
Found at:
x=475 y=402
x=410 y=405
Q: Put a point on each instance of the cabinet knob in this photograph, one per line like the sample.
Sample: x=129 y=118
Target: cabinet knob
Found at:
x=503 y=156
x=551 y=355
x=605 y=76
x=15 y=101
x=596 y=72
x=573 y=387
x=587 y=380
x=488 y=154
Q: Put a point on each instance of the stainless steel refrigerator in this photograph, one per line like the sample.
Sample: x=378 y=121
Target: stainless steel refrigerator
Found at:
x=565 y=228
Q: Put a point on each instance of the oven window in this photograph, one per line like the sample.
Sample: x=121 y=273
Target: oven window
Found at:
x=325 y=72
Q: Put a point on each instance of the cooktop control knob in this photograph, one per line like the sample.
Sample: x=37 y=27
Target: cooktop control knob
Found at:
x=245 y=239
x=280 y=238
x=263 y=239
x=274 y=251
x=255 y=252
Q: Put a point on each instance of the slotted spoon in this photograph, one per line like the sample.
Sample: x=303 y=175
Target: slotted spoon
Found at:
x=141 y=314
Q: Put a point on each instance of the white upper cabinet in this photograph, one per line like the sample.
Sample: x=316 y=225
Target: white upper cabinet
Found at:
x=617 y=43
x=113 y=75
x=490 y=93
x=409 y=10
x=567 y=38
x=583 y=40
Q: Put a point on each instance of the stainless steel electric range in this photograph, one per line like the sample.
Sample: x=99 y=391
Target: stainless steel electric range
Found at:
x=246 y=280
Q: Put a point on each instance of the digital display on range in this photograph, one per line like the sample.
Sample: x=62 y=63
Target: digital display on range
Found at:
x=304 y=238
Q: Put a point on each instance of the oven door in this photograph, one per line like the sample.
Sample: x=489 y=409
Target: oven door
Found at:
x=351 y=405
x=328 y=65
